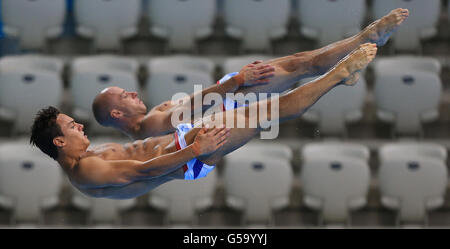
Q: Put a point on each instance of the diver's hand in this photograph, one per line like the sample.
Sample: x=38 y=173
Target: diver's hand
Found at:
x=255 y=74
x=208 y=141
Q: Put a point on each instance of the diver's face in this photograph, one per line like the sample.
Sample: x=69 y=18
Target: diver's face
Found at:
x=73 y=131
x=127 y=101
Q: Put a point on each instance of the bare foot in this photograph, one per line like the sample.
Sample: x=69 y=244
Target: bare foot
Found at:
x=348 y=69
x=352 y=79
x=382 y=29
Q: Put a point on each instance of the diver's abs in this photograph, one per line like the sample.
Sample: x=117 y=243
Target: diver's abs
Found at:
x=140 y=150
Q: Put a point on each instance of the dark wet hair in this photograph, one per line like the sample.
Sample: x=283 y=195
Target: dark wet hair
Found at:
x=44 y=130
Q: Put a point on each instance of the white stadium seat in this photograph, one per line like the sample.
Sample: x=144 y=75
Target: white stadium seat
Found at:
x=181 y=22
x=335 y=179
x=330 y=20
x=192 y=63
x=333 y=148
x=33 y=61
x=27 y=84
x=163 y=85
x=182 y=199
x=412 y=179
x=429 y=150
x=107 y=22
x=101 y=210
x=33 y=21
x=90 y=75
x=30 y=181
x=256 y=22
x=257 y=184
x=176 y=74
x=274 y=150
x=342 y=105
x=406 y=62
x=106 y=62
x=421 y=23
x=407 y=98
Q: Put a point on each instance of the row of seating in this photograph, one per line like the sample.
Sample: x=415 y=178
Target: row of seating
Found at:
x=407 y=89
x=182 y=23
x=407 y=93
x=335 y=179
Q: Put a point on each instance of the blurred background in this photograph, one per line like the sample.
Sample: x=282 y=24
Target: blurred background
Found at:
x=372 y=155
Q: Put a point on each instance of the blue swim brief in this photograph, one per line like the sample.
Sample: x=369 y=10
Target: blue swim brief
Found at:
x=229 y=104
x=194 y=169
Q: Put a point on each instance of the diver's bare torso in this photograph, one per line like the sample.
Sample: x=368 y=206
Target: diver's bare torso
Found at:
x=140 y=150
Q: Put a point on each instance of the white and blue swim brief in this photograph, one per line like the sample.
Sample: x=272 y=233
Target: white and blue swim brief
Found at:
x=194 y=169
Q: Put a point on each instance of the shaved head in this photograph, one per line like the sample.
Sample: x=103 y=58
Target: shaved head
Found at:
x=117 y=99
x=101 y=107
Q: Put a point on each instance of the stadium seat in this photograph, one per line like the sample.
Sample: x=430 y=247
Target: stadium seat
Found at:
x=329 y=21
x=268 y=21
x=412 y=179
x=33 y=21
x=192 y=63
x=429 y=150
x=335 y=149
x=106 y=62
x=33 y=61
x=182 y=199
x=257 y=184
x=406 y=62
x=107 y=22
x=407 y=97
x=338 y=107
x=27 y=84
x=421 y=23
x=335 y=179
x=274 y=150
x=181 y=22
x=30 y=181
x=90 y=75
x=101 y=210
x=176 y=74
